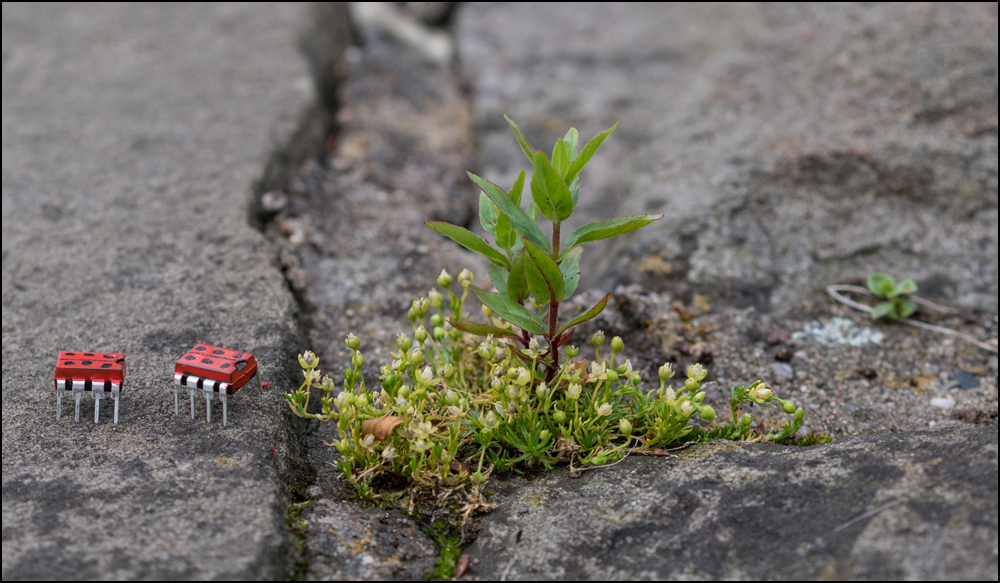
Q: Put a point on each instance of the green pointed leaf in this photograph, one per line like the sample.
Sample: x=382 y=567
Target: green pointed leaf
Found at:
x=881 y=285
x=560 y=157
x=548 y=268
x=483 y=330
x=609 y=229
x=572 y=140
x=525 y=146
x=505 y=235
x=570 y=268
x=519 y=220
x=574 y=191
x=537 y=285
x=488 y=215
x=907 y=287
x=518 y=189
x=883 y=310
x=510 y=311
x=549 y=190
x=499 y=275
x=517 y=282
x=470 y=241
x=590 y=315
x=588 y=152
x=908 y=308
x=544 y=278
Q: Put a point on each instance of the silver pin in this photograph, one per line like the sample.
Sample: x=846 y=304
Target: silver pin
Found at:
x=98 y=394
x=208 y=407
x=177 y=402
x=77 y=395
x=191 y=393
x=116 y=396
x=225 y=408
x=60 y=393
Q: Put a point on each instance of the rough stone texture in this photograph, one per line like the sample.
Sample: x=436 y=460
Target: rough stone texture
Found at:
x=355 y=250
x=132 y=137
x=891 y=507
x=788 y=146
x=871 y=388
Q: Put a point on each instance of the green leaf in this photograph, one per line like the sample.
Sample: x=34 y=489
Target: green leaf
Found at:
x=517 y=282
x=505 y=236
x=549 y=190
x=572 y=140
x=907 y=287
x=881 y=285
x=574 y=191
x=884 y=310
x=488 y=215
x=525 y=146
x=483 y=330
x=510 y=311
x=519 y=220
x=590 y=315
x=544 y=278
x=570 y=268
x=608 y=229
x=518 y=189
x=588 y=152
x=560 y=157
x=499 y=276
x=908 y=308
x=470 y=241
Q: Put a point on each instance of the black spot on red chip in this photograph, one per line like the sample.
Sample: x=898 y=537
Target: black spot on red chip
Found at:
x=206 y=361
x=190 y=358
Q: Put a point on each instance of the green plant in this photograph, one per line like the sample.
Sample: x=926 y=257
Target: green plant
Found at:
x=898 y=303
x=462 y=398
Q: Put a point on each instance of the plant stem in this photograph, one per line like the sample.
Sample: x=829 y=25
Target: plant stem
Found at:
x=554 y=308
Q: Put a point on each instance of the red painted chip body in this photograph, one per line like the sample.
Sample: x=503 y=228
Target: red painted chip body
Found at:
x=216 y=372
x=97 y=373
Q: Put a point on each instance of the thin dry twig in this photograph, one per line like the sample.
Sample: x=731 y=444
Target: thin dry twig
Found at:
x=835 y=292
x=506 y=570
x=866 y=516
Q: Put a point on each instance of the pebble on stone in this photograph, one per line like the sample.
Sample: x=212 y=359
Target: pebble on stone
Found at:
x=782 y=371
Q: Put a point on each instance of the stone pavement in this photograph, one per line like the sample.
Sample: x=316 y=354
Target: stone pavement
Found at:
x=132 y=139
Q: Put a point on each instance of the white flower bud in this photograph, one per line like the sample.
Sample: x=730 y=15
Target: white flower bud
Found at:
x=435 y=298
x=604 y=410
x=534 y=345
x=421 y=334
x=697 y=373
x=542 y=390
x=352 y=342
x=523 y=377
x=574 y=391
x=666 y=372
x=444 y=280
x=687 y=408
x=490 y=420
x=466 y=278
x=426 y=376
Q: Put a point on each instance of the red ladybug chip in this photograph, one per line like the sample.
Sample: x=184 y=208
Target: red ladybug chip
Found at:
x=98 y=373
x=213 y=371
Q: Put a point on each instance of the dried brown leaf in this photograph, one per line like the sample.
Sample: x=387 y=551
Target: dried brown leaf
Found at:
x=382 y=427
x=462 y=567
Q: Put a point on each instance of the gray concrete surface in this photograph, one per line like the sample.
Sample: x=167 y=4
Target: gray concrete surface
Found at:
x=132 y=139
x=789 y=147
x=919 y=506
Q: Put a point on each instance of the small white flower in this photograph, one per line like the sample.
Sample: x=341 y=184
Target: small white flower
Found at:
x=573 y=392
x=666 y=372
x=455 y=412
x=426 y=376
x=697 y=373
x=687 y=408
x=389 y=454
x=598 y=372
x=368 y=441
x=604 y=410
x=466 y=278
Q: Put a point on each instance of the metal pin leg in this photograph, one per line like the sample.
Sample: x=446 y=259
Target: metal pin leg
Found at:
x=191 y=393
x=97 y=408
x=225 y=409
x=59 y=397
x=77 y=396
x=208 y=407
x=116 y=395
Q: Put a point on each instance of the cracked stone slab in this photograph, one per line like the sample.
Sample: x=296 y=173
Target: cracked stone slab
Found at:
x=132 y=139
x=789 y=147
x=889 y=507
